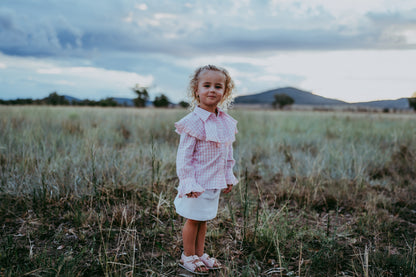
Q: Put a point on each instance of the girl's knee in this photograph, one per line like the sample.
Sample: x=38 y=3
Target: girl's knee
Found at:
x=196 y=222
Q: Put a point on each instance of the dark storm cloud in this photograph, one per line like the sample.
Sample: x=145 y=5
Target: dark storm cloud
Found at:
x=79 y=46
x=71 y=31
x=22 y=36
x=272 y=40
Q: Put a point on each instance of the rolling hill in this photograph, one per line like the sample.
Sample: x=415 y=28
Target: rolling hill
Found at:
x=301 y=97
x=401 y=103
x=307 y=98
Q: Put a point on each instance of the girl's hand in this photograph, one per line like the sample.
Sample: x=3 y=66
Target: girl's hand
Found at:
x=228 y=189
x=193 y=194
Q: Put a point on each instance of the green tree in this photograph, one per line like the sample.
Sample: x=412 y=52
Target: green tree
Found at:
x=281 y=100
x=18 y=101
x=108 y=102
x=161 y=101
x=412 y=103
x=184 y=104
x=87 y=102
x=142 y=96
x=56 y=99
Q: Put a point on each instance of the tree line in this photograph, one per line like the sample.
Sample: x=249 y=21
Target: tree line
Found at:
x=280 y=100
x=54 y=99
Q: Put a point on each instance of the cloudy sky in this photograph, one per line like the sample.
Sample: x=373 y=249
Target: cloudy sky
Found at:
x=355 y=50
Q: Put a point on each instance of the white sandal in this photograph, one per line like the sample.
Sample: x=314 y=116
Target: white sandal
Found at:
x=210 y=263
x=193 y=264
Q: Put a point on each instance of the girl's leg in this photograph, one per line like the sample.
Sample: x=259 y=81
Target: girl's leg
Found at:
x=200 y=238
x=189 y=236
x=210 y=263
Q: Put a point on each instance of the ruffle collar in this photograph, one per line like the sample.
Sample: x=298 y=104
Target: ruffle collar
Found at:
x=197 y=124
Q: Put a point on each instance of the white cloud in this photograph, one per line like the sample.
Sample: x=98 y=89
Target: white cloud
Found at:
x=340 y=9
x=410 y=35
x=352 y=76
x=144 y=22
x=64 y=82
x=52 y=70
x=119 y=81
x=78 y=81
x=352 y=14
x=128 y=18
x=141 y=7
x=162 y=16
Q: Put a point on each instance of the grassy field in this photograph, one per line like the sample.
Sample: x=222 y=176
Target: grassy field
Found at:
x=89 y=192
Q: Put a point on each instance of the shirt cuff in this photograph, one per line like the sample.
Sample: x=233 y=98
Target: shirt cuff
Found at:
x=231 y=179
x=187 y=186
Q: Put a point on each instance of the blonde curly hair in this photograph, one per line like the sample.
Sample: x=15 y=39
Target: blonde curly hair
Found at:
x=227 y=98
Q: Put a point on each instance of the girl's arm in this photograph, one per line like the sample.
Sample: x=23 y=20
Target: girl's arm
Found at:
x=229 y=174
x=185 y=168
x=228 y=189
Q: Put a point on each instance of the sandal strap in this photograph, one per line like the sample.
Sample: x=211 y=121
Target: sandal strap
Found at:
x=193 y=262
x=212 y=261
x=187 y=259
x=197 y=262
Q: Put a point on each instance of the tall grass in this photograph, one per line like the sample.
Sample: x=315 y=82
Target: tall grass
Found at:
x=89 y=191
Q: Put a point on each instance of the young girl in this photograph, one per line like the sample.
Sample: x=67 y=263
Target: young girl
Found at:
x=204 y=162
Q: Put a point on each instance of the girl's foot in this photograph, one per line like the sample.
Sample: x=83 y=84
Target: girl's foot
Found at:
x=193 y=264
x=210 y=263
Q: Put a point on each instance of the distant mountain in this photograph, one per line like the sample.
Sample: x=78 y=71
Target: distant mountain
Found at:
x=71 y=99
x=124 y=101
x=401 y=103
x=301 y=97
x=307 y=98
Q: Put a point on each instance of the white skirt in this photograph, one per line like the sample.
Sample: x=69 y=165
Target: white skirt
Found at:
x=203 y=208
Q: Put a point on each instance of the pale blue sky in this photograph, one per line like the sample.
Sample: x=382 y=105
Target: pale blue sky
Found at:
x=356 y=50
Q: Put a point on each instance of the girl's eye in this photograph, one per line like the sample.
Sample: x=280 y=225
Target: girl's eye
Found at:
x=218 y=87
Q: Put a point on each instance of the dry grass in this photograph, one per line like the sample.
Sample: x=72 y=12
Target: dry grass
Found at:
x=89 y=192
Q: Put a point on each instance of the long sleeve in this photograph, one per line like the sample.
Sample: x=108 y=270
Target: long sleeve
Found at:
x=229 y=174
x=184 y=166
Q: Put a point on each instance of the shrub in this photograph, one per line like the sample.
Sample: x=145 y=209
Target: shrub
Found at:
x=282 y=100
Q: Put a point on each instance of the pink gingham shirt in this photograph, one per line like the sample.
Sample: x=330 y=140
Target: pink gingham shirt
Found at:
x=205 y=153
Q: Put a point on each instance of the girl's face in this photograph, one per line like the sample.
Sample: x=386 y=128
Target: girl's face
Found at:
x=211 y=87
